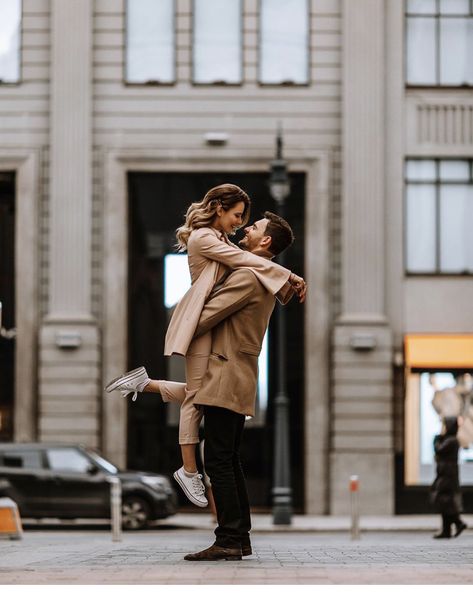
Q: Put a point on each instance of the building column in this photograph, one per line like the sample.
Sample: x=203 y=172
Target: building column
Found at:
x=361 y=346
x=69 y=341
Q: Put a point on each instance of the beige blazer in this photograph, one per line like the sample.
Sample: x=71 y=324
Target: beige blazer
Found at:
x=210 y=255
x=239 y=314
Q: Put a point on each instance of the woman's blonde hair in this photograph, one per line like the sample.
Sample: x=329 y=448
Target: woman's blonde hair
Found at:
x=201 y=214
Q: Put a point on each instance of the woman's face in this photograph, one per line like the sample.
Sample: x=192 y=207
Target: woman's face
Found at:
x=231 y=220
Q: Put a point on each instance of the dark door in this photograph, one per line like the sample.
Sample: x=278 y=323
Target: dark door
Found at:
x=76 y=486
x=157 y=204
x=7 y=298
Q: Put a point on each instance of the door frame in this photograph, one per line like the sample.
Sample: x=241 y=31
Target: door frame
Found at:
x=25 y=163
x=117 y=164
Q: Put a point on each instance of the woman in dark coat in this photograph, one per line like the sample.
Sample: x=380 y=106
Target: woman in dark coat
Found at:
x=446 y=494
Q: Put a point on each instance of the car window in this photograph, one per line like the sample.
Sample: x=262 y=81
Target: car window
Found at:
x=24 y=459
x=67 y=459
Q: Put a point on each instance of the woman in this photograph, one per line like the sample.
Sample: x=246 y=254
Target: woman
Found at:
x=211 y=256
x=446 y=494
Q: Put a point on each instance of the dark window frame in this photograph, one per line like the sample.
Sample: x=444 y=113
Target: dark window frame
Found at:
x=308 y=48
x=437 y=16
x=437 y=182
x=151 y=82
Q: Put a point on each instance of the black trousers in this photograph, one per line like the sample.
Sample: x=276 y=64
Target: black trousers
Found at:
x=223 y=429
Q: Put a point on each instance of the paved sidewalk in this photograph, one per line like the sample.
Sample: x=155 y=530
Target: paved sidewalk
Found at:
x=76 y=556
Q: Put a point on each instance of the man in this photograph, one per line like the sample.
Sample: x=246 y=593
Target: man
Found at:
x=238 y=313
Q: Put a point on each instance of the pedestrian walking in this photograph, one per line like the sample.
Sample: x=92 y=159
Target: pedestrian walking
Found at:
x=446 y=493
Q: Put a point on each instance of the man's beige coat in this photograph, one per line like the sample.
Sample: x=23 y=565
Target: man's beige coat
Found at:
x=238 y=314
x=210 y=256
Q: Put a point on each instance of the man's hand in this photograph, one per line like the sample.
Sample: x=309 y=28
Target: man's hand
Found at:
x=299 y=286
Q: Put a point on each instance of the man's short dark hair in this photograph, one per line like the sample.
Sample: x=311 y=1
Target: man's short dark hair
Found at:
x=279 y=231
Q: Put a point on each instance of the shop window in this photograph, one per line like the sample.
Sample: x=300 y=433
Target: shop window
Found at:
x=284 y=42
x=217 y=42
x=439 y=38
x=439 y=211
x=150 y=43
x=10 y=44
x=439 y=384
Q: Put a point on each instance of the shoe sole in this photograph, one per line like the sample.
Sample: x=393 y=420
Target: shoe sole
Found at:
x=121 y=380
x=187 y=493
x=229 y=558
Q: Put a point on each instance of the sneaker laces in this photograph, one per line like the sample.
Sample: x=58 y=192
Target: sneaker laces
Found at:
x=126 y=393
x=197 y=485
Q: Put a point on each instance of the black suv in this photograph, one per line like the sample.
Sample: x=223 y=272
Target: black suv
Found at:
x=67 y=481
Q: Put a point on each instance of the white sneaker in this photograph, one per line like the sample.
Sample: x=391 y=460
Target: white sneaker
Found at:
x=192 y=487
x=130 y=382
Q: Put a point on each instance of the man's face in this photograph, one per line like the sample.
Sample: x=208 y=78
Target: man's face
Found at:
x=253 y=235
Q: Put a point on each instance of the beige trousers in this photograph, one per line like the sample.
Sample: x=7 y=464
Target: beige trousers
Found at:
x=197 y=360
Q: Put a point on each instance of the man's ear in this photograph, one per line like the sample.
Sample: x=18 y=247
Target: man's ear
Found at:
x=266 y=242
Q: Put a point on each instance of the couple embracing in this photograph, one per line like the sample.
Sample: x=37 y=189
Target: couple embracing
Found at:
x=219 y=326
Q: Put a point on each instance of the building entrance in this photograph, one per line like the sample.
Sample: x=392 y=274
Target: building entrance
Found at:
x=7 y=298
x=158 y=277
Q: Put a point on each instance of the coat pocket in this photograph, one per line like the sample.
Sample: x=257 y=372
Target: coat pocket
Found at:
x=250 y=349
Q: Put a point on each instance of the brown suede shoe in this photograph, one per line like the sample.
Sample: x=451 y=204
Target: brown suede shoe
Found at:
x=215 y=552
x=246 y=550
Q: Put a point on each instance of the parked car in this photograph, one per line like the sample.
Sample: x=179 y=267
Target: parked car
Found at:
x=70 y=481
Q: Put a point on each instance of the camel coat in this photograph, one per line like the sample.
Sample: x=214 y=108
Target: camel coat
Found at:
x=211 y=255
x=238 y=314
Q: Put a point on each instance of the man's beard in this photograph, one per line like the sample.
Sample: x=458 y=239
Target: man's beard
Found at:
x=243 y=243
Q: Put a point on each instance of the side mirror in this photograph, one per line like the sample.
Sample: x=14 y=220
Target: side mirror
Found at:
x=92 y=470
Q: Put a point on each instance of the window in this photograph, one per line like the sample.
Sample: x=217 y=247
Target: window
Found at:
x=150 y=42
x=217 y=45
x=439 y=211
x=10 y=33
x=23 y=459
x=439 y=42
x=67 y=459
x=284 y=42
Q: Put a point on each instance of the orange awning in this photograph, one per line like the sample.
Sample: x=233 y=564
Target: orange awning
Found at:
x=439 y=351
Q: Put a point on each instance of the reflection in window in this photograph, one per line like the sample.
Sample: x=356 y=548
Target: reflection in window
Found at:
x=439 y=211
x=217 y=49
x=430 y=397
x=176 y=282
x=10 y=31
x=439 y=42
x=67 y=459
x=284 y=42
x=150 y=41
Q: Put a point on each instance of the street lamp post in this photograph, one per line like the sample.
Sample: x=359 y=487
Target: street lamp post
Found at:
x=279 y=188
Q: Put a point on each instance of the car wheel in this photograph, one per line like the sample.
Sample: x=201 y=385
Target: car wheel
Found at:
x=135 y=512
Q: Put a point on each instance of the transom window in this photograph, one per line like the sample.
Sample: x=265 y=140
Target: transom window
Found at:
x=440 y=42
x=10 y=34
x=439 y=212
x=150 y=44
x=284 y=42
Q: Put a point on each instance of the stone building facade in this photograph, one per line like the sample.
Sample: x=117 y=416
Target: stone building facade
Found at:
x=71 y=130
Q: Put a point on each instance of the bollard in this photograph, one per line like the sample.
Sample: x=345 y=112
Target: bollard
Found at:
x=354 y=506
x=116 y=507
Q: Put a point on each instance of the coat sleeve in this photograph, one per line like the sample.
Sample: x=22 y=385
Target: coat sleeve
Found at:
x=234 y=294
x=271 y=275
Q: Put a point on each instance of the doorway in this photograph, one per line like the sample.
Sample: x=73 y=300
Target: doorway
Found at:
x=7 y=299
x=157 y=278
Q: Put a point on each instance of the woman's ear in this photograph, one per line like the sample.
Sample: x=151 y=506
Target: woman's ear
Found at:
x=219 y=211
